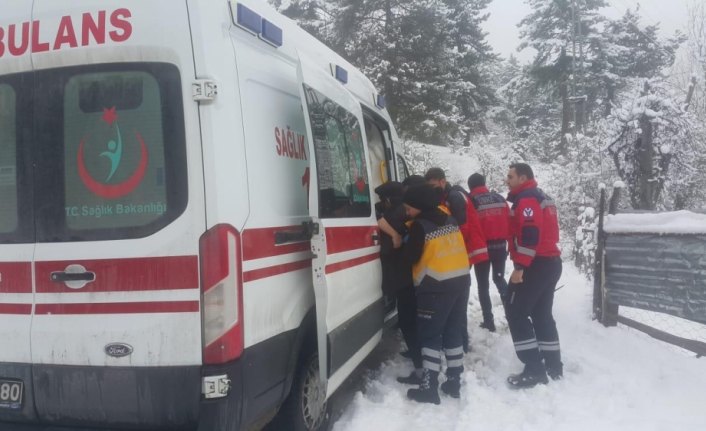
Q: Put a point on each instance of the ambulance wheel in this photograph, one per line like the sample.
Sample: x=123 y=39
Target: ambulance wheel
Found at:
x=307 y=408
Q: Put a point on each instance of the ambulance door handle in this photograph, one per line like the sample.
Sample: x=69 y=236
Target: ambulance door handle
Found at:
x=62 y=277
x=376 y=238
x=307 y=230
x=74 y=276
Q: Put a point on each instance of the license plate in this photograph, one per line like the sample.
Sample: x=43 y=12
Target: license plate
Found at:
x=11 y=394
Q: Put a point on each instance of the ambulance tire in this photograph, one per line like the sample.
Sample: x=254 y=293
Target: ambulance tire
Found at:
x=303 y=410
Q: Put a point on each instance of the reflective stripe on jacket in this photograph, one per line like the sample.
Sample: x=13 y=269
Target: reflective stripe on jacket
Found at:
x=443 y=264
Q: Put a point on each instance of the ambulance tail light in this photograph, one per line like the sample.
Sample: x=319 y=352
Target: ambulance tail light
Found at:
x=221 y=294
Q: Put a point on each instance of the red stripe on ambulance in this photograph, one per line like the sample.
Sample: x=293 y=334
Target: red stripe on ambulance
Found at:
x=119 y=308
x=15 y=308
x=340 y=239
x=259 y=243
x=15 y=277
x=350 y=263
x=125 y=275
x=270 y=271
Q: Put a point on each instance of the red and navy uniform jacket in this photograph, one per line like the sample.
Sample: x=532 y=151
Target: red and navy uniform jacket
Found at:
x=493 y=216
x=459 y=203
x=534 y=225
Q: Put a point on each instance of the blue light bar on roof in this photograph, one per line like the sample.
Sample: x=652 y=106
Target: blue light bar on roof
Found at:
x=380 y=101
x=341 y=74
x=248 y=19
x=271 y=33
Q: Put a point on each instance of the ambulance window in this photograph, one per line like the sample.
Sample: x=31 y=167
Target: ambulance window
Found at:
x=122 y=90
x=8 y=159
x=402 y=171
x=340 y=159
x=123 y=153
x=379 y=169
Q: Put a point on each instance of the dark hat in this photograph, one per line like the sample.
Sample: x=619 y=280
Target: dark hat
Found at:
x=435 y=174
x=422 y=197
x=476 y=180
x=414 y=180
x=390 y=189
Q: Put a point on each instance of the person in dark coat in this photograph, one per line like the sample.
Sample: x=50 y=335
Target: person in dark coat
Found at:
x=396 y=272
x=413 y=180
x=452 y=198
x=437 y=253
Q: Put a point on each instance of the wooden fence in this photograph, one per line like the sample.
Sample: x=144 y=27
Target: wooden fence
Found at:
x=661 y=272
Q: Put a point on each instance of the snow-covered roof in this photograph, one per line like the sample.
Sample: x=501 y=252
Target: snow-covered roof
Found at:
x=676 y=222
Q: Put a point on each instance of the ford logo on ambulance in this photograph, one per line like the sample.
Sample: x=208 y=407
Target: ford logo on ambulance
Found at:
x=118 y=350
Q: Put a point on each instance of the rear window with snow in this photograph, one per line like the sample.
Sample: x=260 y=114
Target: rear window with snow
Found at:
x=114 y=150
x=111 y=151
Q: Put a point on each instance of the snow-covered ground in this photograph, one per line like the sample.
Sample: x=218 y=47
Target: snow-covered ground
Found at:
x=614 y=379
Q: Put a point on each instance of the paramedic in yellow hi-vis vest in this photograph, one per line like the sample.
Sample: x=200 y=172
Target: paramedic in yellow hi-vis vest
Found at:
x=440 y=270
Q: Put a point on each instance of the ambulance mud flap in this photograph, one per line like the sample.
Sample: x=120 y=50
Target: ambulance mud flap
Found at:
x=119 y=396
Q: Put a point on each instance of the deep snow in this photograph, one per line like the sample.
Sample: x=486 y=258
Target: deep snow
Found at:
x=615 y=379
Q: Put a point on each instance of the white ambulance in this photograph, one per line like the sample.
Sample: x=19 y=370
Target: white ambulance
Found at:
x=186 y=216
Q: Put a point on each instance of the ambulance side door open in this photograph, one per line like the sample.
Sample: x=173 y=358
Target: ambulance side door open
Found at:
x=346 y=267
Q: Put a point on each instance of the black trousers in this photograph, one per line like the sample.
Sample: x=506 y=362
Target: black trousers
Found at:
x=440 y=324
x=497 y=256
x=529 y=314
x=466 y=339
x=407 y=321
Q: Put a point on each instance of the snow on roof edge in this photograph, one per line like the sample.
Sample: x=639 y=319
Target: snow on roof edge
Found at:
x=664 y=223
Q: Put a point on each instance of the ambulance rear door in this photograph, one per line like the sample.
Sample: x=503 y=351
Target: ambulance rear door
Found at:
x=346 y=266
x=16 y=220
x=119 y=207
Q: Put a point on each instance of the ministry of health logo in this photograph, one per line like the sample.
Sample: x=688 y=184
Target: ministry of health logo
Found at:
x=114 y=154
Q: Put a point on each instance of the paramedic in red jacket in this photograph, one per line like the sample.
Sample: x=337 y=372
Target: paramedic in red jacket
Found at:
x=537 y=262
x=494 y=218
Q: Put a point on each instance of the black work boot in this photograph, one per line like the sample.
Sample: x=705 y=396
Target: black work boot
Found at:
x=428 y=390
x=553 y=364
x=414 y=378
x=555 y=372
x=528 y=378
x=452 y=386
x=488 y=324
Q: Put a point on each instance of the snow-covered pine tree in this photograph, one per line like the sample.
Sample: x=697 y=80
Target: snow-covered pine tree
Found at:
x=429 y=58
x=657 y=147
x=627 y=50
x=473 y=62
x=558 y=30
x=314 y=16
